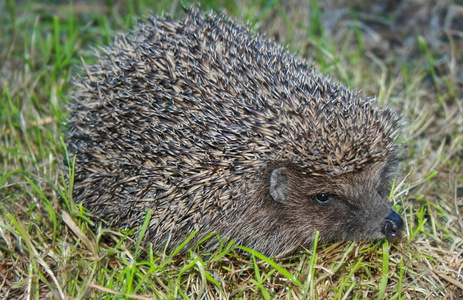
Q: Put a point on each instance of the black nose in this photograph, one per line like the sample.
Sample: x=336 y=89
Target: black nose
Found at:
x=392 y=225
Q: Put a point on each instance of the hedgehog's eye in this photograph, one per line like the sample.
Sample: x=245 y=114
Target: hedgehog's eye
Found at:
x=323 y=198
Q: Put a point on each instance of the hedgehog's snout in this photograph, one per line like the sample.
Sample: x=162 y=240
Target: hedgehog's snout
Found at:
x=392 y=225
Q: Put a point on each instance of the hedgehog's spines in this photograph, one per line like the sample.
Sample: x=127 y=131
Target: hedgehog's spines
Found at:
x=189 y=117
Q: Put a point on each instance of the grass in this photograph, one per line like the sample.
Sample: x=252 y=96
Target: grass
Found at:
x=49 y=248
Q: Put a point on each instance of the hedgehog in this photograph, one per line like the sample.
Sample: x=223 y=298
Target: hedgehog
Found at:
x=216 y=129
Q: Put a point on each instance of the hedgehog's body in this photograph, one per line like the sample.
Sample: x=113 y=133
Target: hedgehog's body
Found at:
x=216 y=129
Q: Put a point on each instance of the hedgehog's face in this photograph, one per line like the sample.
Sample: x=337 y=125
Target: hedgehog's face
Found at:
x=351 y=206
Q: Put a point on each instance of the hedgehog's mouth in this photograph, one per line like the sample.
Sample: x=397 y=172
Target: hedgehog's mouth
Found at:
x=389 y=229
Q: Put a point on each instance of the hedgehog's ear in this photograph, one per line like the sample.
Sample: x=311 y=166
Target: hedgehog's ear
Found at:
x=278 y=184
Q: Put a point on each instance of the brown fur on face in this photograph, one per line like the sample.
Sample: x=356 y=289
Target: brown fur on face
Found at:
x=216 y=129
x=356 y=209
